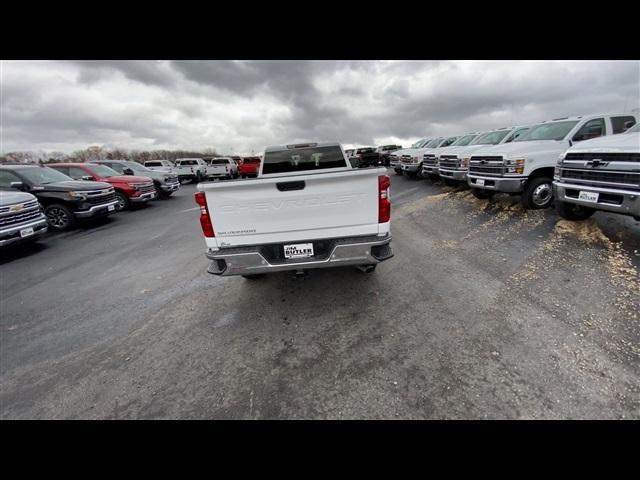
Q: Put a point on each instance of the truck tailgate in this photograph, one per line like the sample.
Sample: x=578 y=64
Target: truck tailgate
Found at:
x=293 y=207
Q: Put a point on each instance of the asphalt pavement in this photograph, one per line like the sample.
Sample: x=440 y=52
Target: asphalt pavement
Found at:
x=486 y=311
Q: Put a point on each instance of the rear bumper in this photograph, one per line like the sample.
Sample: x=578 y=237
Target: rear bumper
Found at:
x=12 y=234
x=254 y=260
x=453 y=174
x=622 y=201
x=97 y=210
x=499 y=184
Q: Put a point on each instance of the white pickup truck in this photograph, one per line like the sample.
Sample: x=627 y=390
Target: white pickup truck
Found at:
x=191 y=169
x=307 y=209
x=412 y=161
x=526 y=165
x=600 y=174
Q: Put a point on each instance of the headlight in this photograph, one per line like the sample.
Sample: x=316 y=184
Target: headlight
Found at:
x=515 y=165
x=77 y=195
x=556 y=173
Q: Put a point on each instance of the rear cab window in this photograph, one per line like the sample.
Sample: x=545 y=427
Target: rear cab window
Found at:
x=618 y=123
x=301 y=158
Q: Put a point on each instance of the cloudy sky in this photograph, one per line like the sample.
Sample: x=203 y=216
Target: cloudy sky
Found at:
x=237 y=107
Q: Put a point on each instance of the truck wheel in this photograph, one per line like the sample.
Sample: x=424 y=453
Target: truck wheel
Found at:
x=60 y=217
x=571 y=211
x=161 y=193
x=538 y=193
x=123 y=202
x=419 y=172
x=253 y=277
x=482 y=194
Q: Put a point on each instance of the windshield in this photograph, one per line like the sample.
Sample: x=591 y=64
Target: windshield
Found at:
x=634 y=129
x=420 y=143
x=136 y=167
x=548 y=131
x=433 y=143
x=462 y=141
x=492 y=138
x=103 y=171
x=43 y=175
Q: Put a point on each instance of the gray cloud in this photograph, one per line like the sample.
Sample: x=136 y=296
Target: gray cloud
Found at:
x=245 y=105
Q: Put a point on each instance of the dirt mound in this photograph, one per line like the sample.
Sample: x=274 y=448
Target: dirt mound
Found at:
x=586 y=231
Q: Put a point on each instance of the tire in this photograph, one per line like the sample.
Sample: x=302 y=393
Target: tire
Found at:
x=123 y=202
x=482 y=194
x=256 y=276
x=161 y=193
x=538 y=193
x=60 y=217
x=450 y=183
x=574 y=212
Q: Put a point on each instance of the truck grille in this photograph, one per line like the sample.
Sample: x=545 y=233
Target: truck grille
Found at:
x=148 y=188
x=493 y=166
x=99 y=200
x=604 y=157
x=599 y=177
x=407 y=159
x=26 y=205
x=450 y=162
x=22 y=216
x=430 y=160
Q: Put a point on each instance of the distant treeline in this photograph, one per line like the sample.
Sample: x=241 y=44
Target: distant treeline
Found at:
x=95 y=153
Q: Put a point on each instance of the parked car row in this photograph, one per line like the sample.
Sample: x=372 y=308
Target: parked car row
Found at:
x=199 y=169
x=36 y=198
x=587 y=163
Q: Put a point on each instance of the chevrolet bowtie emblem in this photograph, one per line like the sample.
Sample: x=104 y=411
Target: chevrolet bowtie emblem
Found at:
x=596 y=162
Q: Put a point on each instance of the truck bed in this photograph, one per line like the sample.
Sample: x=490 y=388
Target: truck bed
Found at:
x=309 y=206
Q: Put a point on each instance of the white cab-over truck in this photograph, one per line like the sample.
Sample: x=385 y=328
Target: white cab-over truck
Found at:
x=396 y=157
x=412 y=162
x=430 y=165
x=526 y=165
x=600 y=174
x=307 y=209
x=453 y=162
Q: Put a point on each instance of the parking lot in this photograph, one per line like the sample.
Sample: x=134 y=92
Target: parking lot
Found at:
x=486 y=311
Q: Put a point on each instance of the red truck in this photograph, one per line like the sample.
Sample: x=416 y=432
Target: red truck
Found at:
x=249 y=167
x=129 y=189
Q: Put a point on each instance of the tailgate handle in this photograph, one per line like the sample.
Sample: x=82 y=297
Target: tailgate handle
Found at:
x=288 y=186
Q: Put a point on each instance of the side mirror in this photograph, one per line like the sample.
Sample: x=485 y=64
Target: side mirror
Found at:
x=88 y=177
x=628 y=124
x=17 y=185
x=127 y=171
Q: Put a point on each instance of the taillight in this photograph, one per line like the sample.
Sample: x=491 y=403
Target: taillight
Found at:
x=205 y=219
x=384 y=204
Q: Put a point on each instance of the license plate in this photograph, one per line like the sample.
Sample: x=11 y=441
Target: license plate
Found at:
x=25 y=232
x=480 y=182
x=111 y=208
x=298 y=250
x=588 y=196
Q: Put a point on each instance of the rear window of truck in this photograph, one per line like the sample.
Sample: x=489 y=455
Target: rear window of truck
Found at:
x=301 y=159
x=187 y=162
x=219 y=162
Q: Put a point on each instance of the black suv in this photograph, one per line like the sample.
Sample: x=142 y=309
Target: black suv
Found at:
x=65 y=200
